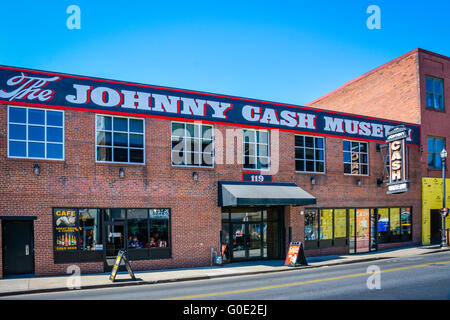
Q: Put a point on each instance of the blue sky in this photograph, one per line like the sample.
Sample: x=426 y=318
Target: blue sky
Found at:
x=285 y=51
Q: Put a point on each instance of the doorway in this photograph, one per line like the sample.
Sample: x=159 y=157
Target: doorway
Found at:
x=253 y=233
x=18 y=247
x=435 y=226
x=247 y=242
x=115 y=240
x=362 y=230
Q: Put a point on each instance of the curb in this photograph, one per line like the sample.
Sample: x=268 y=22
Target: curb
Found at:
x=128 y=283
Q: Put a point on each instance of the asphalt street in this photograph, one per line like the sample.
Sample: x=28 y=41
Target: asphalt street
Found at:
x=418 y=277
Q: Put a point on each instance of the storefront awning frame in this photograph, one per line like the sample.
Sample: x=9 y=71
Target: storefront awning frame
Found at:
x=236 y=193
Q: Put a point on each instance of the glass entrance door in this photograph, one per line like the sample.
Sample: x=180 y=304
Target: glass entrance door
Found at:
x=115 y=241
x=254 y=238
x=238 y=241
x=246 y=241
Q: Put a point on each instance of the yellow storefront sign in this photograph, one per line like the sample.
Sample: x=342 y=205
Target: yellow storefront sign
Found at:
x=432 y=200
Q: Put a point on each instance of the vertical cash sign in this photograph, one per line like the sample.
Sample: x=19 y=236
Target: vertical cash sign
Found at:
x=398 y=160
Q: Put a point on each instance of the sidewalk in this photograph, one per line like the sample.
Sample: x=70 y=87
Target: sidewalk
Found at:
x=14 y=286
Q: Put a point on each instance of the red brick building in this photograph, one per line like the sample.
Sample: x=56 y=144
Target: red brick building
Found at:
x=90 y=166
x=414 y=87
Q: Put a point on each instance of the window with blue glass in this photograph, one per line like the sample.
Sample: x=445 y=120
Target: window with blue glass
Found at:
x=35 y=133
x=435 y=146
x=119 y=139
x=435 y=93
x=356 y=157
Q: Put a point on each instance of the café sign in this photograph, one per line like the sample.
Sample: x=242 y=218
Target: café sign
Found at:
x=398 y=160
x=27 y=87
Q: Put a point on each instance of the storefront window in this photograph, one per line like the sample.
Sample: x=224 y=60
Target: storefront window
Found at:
x=326 y=224
x=340 y=223
x=395 y=224
x=137 y=228
x=311 y=225
x=406 y=222
x=114 y=215
x=90 y=230
x=159 y=227
x=383 y=225
x=352 y=230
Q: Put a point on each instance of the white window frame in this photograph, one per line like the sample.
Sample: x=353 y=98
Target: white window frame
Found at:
x=359 y=153
x=200 y=154
x=315 y=160
x=26 y=124
x=257 y=149
x=112 y=139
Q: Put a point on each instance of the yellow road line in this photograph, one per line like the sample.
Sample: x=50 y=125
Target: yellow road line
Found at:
x=300 y=283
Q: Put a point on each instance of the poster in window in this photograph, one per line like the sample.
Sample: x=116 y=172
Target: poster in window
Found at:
x=340 y=223
x=362 y=230
x=66 y=230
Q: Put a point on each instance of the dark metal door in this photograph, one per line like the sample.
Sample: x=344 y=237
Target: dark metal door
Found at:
x=435 y=226
x=18 y=247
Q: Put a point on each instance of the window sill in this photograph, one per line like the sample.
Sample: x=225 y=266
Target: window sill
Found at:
x=310 y=173
x=191 y=167
x=118 y=164
x=436 y=169
x=41 y=160
x=436 y=110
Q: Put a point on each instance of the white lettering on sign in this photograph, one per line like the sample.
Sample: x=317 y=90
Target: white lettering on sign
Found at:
x=397 y=187
x=164 y=103
x=28 y=88
x=251 y=113
x=106 y=97
x=334 y=124
x=136 y=100
x=288 y=118
x=82 y=94
x=159 y=214
x=257 y=178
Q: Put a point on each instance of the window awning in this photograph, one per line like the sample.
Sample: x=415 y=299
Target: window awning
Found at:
x=251 y=194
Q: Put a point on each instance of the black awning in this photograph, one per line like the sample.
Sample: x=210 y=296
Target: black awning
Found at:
x=250 y=194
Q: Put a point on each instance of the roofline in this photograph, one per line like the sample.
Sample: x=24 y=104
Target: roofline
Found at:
x=416 y=50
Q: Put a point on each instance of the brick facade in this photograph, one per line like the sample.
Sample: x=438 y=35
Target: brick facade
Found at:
x=396 y=90
x=79 y=181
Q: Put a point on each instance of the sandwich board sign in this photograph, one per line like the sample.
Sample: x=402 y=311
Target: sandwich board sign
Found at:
x=121 y=256
x=296 y=255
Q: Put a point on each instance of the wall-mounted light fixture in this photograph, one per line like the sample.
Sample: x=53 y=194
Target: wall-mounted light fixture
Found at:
x=36 y=168
x=195 y=176
x=379 y=181
x=358 y=182
x=313 y=180
x=121 y=172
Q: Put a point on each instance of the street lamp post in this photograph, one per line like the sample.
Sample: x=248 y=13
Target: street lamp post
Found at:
x=444 y=159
